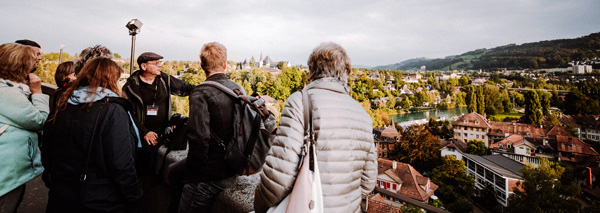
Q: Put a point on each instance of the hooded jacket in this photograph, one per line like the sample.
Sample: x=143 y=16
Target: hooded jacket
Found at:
x=19 y=151
x=112 y=184
x=171 y=85
x=345 y=150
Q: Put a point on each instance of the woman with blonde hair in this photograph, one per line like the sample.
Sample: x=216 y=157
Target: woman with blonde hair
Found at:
x=23 y=111
x=89 y=143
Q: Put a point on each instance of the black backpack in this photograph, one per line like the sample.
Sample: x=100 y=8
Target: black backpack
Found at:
x=174 y=135
x=254 y=127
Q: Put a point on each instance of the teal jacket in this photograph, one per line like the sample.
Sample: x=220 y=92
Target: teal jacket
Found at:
x=20 y=159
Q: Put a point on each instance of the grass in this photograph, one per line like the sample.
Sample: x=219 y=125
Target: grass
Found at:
x=514 y=115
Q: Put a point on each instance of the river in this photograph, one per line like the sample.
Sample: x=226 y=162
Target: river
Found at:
x=435 y=114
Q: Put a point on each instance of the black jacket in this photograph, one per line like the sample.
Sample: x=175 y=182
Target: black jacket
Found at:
x=171 y=85
x=209 y=108
x=112 y=184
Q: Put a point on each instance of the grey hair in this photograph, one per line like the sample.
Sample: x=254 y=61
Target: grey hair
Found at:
x=329 y=60
x=90 y=53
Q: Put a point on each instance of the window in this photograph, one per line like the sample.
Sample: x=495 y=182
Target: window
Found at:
x=500 y=182
x=471 y=136
x=489 y=175
x=500 y=145
x=477 y=136
x=479 y=170
x=394 y=186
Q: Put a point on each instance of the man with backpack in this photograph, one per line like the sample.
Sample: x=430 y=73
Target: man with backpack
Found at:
x=211 y=116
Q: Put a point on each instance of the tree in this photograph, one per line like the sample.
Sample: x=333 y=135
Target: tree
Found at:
x=543 y=191
x=471 y=99
x=533 y=115
x=464 y=80
x=477 y=147
x=486 y=197
x=453 y=181
x=480 y=101
x=418 y=147
x=252 y=62
x=406 y=103
x=116 y=55
x=545 y=99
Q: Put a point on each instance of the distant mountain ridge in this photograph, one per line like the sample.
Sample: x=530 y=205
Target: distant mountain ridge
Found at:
x=542 y=54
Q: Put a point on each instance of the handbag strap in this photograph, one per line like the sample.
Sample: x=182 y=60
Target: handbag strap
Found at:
x=309 y=136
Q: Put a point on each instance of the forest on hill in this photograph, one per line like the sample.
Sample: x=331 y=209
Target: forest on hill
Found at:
x=535 y=55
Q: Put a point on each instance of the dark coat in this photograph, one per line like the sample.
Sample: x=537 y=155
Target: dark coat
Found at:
x=209 y=108
x=172 y=86
x=112 y=184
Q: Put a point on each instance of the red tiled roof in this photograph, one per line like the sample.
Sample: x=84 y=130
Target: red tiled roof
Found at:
x=456 y=143
x=411 y=179
x=558 y=130
x=514 y=140
x=574 y=145
x=378 y=205
x=473 y=120
x=501 y=128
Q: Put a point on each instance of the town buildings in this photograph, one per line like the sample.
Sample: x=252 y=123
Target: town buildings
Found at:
x=403 y=179
x=496 y=170
x=385 y=138
x=472 y=126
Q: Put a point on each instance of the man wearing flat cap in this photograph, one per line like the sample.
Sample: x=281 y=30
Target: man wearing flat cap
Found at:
x=149 y=90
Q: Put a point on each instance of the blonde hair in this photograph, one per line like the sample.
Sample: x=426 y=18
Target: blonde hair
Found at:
x=212 y=57
x=329 y=60
x=16 y=61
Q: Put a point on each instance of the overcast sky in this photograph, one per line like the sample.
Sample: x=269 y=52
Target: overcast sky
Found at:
x=372 y=32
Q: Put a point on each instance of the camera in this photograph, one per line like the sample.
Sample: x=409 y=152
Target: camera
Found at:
x=134 y=26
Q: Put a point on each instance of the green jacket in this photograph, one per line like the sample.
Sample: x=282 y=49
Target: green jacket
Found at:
x=20 y=159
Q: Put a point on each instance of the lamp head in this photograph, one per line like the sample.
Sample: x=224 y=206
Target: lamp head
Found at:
x=134 y=26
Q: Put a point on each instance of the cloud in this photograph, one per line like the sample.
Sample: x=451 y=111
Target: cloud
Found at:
x=373 y=32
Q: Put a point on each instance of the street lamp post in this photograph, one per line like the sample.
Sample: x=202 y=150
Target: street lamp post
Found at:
x=134 y=27
x=60 y=56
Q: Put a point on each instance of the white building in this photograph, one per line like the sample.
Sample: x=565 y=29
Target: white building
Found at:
x=581 y=69
x=496 y=170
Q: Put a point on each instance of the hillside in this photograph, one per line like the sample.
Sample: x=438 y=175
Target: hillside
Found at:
x=543 y=54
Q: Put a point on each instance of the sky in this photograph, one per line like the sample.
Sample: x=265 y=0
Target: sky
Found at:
x=372 y=32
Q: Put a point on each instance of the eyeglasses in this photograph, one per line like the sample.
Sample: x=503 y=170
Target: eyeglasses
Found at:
x=158 y=63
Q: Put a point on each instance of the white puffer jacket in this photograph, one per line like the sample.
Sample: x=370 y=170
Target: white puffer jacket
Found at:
x=345 y=149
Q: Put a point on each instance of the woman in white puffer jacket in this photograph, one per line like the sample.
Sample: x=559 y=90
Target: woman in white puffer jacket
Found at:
x=346 y=153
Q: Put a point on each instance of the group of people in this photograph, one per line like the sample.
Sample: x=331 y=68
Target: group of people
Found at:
x=93 y=143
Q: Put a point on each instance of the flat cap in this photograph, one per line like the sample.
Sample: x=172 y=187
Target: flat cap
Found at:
x=148 y=56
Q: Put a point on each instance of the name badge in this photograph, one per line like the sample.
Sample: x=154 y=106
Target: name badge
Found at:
x=151 y=110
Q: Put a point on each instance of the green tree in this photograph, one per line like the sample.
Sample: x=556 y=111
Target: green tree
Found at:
x=464 y=80
x=418 y=147
x=116 y=55
x=533 y=115
x=471 y=99
x=453 y=82
x=477 y=147
x=543 y=191
x=252 y=62
x=518 y=98
x=453 y=181
x=480 y=101
x=545 y=99
x=406 y=103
